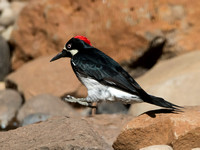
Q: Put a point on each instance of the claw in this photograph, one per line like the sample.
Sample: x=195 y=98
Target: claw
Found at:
x=81 y=101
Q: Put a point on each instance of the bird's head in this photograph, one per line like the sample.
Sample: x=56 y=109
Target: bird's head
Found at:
x=73 y=46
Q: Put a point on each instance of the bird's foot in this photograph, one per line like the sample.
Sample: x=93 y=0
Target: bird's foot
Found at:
x=81 y=101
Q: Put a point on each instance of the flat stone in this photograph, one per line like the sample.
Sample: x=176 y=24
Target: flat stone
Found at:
x=56 y=133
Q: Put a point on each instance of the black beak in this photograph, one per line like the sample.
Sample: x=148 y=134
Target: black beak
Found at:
x=64 y=53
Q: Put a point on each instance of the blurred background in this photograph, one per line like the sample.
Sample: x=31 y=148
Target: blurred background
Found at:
x=157 y=42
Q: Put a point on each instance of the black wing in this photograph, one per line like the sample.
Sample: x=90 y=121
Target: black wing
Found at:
x=104 y=69
x=95 y=64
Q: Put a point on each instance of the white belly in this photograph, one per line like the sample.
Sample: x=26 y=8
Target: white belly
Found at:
x=100 y=92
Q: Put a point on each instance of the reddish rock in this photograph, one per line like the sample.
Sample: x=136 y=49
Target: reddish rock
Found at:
x=46 y=25
x=56 y=133
x=122 y=29
x=159 y=128
x=189 y=140
x=41 y=76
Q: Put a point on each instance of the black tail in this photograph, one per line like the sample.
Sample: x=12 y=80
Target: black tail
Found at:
x=161 y=102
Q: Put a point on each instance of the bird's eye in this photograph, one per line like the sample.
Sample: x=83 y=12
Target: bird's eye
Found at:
x=69 y=46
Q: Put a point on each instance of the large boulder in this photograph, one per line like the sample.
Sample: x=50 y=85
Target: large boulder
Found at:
x=176 y=80
x=40 y=76
x=180 y=130
x=121 y=29
x=43 y=106
x=56 y=133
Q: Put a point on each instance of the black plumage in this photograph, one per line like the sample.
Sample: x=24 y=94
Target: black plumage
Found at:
x=88 y=61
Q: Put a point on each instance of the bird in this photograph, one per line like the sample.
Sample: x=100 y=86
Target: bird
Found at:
x=103 y=77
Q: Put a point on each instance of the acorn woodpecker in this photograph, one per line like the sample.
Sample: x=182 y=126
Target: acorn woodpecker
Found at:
x=103 y=77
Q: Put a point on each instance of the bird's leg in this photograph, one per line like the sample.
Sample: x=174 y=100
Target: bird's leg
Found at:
x=94 y=108
x=82 y=101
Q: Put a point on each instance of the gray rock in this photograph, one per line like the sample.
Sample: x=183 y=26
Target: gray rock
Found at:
x=35 y=118
x=157 y=147
x=58 y=133
x=10 y=102
x=45 y=104
x=111 y=108
x=4 y=58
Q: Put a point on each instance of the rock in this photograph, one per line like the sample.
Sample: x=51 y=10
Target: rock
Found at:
x=17 y=7
x=7 y=32
x=2 y=85
x=56 y=133
x=2 y=28
x=42 y=106
x=180 y=130
x=176 y=80
x=157 y=147
x=10 y=102
x=189 y=140
x=7 y=15
x=35 y=118
x=111 y=108
x=41 y=38
x=4 y=58
x=123 y=34
x=56 y=78
x=108 y=126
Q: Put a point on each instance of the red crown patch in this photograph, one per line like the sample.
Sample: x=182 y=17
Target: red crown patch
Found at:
x=83 y=39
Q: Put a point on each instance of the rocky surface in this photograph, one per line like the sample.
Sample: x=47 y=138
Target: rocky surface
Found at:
x=121 y=27
x=4 y=58
x=176 y=80
x=10 y=102
x=108 y=126
x=180 y=130
x=42 y=107
x=56 y=133
x=40 y=76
